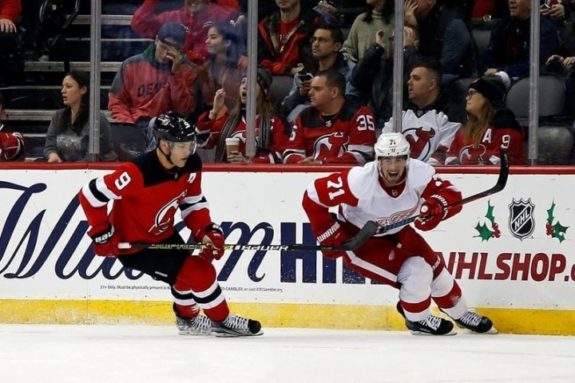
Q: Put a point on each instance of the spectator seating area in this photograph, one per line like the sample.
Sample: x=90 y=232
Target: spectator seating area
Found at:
x=31 y=103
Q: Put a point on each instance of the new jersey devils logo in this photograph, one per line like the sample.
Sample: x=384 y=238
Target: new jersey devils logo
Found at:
x=470 y=155
x=330 y=146
x=164 y=218
x=420 y=141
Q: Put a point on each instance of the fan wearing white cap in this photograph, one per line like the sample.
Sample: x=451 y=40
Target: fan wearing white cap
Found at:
x=386 y=191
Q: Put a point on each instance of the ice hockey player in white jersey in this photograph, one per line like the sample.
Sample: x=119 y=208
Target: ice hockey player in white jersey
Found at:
x=388 y=190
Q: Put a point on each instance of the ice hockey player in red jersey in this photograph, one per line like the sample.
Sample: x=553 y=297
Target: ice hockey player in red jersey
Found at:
x=388 y=190
x=145 y=195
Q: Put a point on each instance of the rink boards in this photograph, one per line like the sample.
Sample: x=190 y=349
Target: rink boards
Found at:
x=512 y=253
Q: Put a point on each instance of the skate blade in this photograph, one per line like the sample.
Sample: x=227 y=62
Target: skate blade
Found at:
x=233 y=334
x=491 y=331
x=193 y=333
x=423 y=333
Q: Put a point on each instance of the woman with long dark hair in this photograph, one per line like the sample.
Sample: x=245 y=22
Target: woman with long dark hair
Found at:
x=379 y=17
x=223 y=69
x=272 y=133
x=68 y=133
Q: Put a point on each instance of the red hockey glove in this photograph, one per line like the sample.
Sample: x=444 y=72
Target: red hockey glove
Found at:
x=334 y=236
x=105 y=243
x=431 y=213
x=214 y=241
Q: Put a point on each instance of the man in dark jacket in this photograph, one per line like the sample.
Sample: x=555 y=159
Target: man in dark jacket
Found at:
x=445 y=37
x=508 y=49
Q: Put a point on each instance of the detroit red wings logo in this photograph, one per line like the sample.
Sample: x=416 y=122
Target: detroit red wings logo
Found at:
x=330 y=146
x=420 y=141
x=469 y=155
x=164 y=218
x=395 y=217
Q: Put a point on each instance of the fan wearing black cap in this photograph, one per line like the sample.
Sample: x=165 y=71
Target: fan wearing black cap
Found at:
x=490 y=125
x=272 y=132
x=145 y=195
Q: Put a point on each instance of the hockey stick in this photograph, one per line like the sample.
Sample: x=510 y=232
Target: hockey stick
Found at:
x=368 y=230
x=499 y=185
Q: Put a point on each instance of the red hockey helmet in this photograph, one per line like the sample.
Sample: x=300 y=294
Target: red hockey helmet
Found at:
x=11 y=146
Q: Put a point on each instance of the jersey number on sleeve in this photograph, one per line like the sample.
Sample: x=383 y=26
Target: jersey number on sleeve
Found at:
x=334 y=188
x=365 y=122
x=122 y=181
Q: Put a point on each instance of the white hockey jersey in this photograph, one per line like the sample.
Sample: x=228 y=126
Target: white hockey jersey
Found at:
x=360 y=197
x=427 y=131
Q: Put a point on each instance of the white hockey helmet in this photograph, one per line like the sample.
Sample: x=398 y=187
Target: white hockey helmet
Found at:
x=391 y=145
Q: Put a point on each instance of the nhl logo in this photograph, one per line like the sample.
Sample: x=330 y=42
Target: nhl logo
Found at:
x=521 y=221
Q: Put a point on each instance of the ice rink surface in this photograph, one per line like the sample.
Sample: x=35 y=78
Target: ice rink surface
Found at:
x=139 y=354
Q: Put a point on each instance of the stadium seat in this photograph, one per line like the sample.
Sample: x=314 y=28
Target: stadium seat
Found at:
x=281 y=85
x=551 y=99
x=481 y=36
x=555 y=144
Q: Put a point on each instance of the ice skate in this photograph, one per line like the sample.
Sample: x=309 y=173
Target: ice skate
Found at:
x=476 y=323
x=432 y=325
x=235 y=325
x=199 y=325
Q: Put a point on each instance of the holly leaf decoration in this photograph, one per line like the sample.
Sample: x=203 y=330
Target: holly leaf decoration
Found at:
x=559 y=231
x=484 y=232
x=550 y=212
x=489 y=214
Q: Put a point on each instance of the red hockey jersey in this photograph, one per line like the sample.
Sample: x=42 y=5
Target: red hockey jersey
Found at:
x=279 y=137
x=345 y=138
x=145 y=199
x=504 y=132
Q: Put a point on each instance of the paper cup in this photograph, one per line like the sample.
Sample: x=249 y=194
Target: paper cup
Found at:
x=232 y=145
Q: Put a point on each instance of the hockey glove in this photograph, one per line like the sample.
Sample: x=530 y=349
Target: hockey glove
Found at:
x=214 y=241
x=334 y=236
x=105 y=243
x=431 y=213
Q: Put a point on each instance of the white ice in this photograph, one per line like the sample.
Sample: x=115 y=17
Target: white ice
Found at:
x=141 y=354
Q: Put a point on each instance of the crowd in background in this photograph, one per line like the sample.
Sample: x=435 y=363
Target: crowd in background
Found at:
x=340 y=95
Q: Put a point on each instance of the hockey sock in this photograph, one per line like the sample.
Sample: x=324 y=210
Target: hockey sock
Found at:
x=197 y=277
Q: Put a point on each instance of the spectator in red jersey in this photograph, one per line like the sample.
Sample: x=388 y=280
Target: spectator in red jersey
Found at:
x=68 y=134
x=195 y=15
x=10 y=62
x=149 y=84
x=272 y=133
x=490 y=126
x=11 y=144
x=223 y=69
x=284 y=37
x=331 y=130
